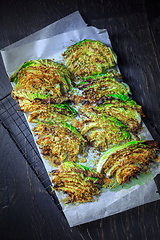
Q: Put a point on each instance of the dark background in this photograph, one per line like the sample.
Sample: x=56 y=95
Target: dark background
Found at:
x=26 y=209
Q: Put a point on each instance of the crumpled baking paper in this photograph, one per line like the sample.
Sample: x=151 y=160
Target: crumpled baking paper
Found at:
x=51 y=42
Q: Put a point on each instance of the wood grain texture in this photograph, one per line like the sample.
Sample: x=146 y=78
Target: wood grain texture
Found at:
x=26 y=209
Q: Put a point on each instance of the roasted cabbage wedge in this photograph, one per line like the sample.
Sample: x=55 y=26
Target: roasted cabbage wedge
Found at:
x=79 y=182
x=89 y=57
x=123 y=108
x=43 y=79
x=48 y=112
x=59 y=141
x=102 y=131
x=97 y=87
x=120 y=163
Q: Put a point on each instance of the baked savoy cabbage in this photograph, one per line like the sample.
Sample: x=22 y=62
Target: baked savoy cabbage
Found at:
x=79 y=107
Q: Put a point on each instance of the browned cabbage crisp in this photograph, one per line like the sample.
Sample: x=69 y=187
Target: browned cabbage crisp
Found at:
x=82 y=112
x=89 y=57
x=79 y=182
x=42 y=79
x=59 y=141
x=120 y=163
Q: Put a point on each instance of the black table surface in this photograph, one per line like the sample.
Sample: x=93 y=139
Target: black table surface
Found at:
x=27 y=211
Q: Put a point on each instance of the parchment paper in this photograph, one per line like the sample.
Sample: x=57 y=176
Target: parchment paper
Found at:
x=50 y=42
x=68 y=23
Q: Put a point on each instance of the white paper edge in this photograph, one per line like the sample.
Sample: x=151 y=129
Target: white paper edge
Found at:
x=68 y=23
